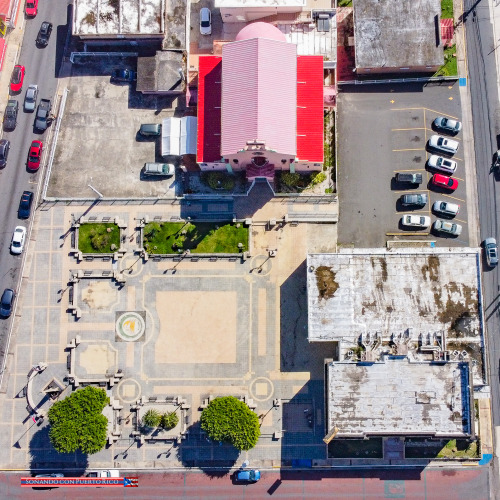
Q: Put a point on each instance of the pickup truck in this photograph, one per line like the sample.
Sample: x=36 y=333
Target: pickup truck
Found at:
x=42 y=114
x=411 y=178
x=103 y=473
x=10 y=115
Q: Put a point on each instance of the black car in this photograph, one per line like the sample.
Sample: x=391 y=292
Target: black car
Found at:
x=6 y=302
x=44 y=34
x=123 y=75
x=4 y=152
x=24 y=210
x=10 y=115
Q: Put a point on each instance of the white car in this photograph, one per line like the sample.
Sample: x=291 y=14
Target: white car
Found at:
x=442 y=164
x=30 y=98
x=18 y=238
x=443 y=144
x=205 y=21
x=447 y=124
x=447 y=227
x=421 y=221
x=446 y=208
x=491 y=249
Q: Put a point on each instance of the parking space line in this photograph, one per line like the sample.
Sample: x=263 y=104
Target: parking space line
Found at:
x=414 y=212
x=412 y=128
x=413 y=149
x=404 y=109
x=407 y=233
x=428 y=109
x=462 y=221
x=413 y=192
x=411 y=170
x=459 y=179
x=452 y=197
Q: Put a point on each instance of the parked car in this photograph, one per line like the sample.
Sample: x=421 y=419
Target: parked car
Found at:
x=17 y=78
x=24 y=210
x=54 y=474
x=4 y=152
x=103 y=473
x=446 y=208
x=247 y=475
x=440 y=180
x=42 y=115
x=123 y=75
x=447 y=124
x=491 y=251
x=32 y=8
x=442 y=164
x=159 y=169
x=150 y=129
x=417 y=221
x=414 y=199
x=30 y=98
x=205 y=21
x=18 y=239
x=443 y=144
x=7 y=302
x=44 y=32
x=10 y=115
x=408 y=177
x=444 y=226
x=35 y=155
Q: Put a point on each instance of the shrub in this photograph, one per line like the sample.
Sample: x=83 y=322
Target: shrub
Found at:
x=328 y=191
x=317 y=178
x=290 y=179
x=169 y=420
x=229 y=420
x=151 y=418
x=218 y=180
x=77 y=422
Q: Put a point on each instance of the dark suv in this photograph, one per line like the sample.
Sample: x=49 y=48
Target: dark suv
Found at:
x=7 y=302
x=24 y=210
x=44 y=34
x=4 y=152
x=10 y=115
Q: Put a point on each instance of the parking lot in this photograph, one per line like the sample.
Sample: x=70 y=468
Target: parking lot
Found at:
x=98 y=143
x=383 y=130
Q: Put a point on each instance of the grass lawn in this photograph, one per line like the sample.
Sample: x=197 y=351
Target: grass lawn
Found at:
x=199 y=237
x=449 y=68
x=441 y=448
x=446 y=9
x=95 y=238
x=355 y=448
x=344 y=3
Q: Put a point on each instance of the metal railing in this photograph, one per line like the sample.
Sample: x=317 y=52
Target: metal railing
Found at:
x=101 y=54
x=399 y=80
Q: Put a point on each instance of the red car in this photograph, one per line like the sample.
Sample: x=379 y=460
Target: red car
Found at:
x=444 y=182
x=17 y=78
x=32 y=8
x=35 y=155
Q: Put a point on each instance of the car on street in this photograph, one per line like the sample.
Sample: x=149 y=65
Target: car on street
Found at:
x=441 y=180
x=24 y=210
x=17 y=78
x=448 y=125
x=44 y=32
x=414 y=199
x=247 y=476
x=442 y=164
x=32 y=8
x=443 y=226
x=443 y=144
x=35 y=155
x=205 y=21
x=417 y=221
x=446 y=208
x=30 y=98
x=123 y=75
x=491 y=251
x=7 y=302
x=4 y=151
x=43 y=114
x=18 y=239
x=10 y=115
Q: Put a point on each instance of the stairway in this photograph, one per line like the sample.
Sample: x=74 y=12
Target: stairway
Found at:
x=266 y=171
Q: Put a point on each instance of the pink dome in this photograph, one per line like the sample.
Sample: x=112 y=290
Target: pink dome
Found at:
x=260 y=30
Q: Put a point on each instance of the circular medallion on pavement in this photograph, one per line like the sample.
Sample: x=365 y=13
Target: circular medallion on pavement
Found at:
x=261 y=389
x=128 y=390
x=130 y=326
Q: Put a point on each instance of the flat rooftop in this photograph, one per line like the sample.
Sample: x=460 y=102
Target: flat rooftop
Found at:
x=397 y=35
x=399 y=397
x=388 y=291
x=109 y=18
x=241 y=4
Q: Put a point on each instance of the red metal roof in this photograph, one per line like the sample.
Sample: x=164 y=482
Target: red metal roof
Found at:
x=310 y=108
x=446 y=31
x=209 y=109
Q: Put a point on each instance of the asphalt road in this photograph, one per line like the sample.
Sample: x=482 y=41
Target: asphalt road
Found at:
x=42 y=68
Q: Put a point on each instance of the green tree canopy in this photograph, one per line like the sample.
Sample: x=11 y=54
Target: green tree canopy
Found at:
x=230 y=420
x=77 y=422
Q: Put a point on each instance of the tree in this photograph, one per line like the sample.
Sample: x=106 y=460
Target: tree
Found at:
x=169 y=420
x=230 y=420
x=77 y=422
x=151 y=418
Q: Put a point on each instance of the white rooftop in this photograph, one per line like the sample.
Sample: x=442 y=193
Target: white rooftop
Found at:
x=388 y=291
x=398 y=397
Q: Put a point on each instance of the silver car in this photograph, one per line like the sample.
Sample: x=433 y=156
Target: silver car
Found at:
x=447 y=227
x=30 y=98
x=442 y=164
x=446 y=208
x=443 y=144
x=491 y=250
x=447 y=124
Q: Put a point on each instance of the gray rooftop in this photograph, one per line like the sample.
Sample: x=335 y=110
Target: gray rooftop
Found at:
x=397 y=35
x=388 y=291
x=161 y=73
x=397 y=397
